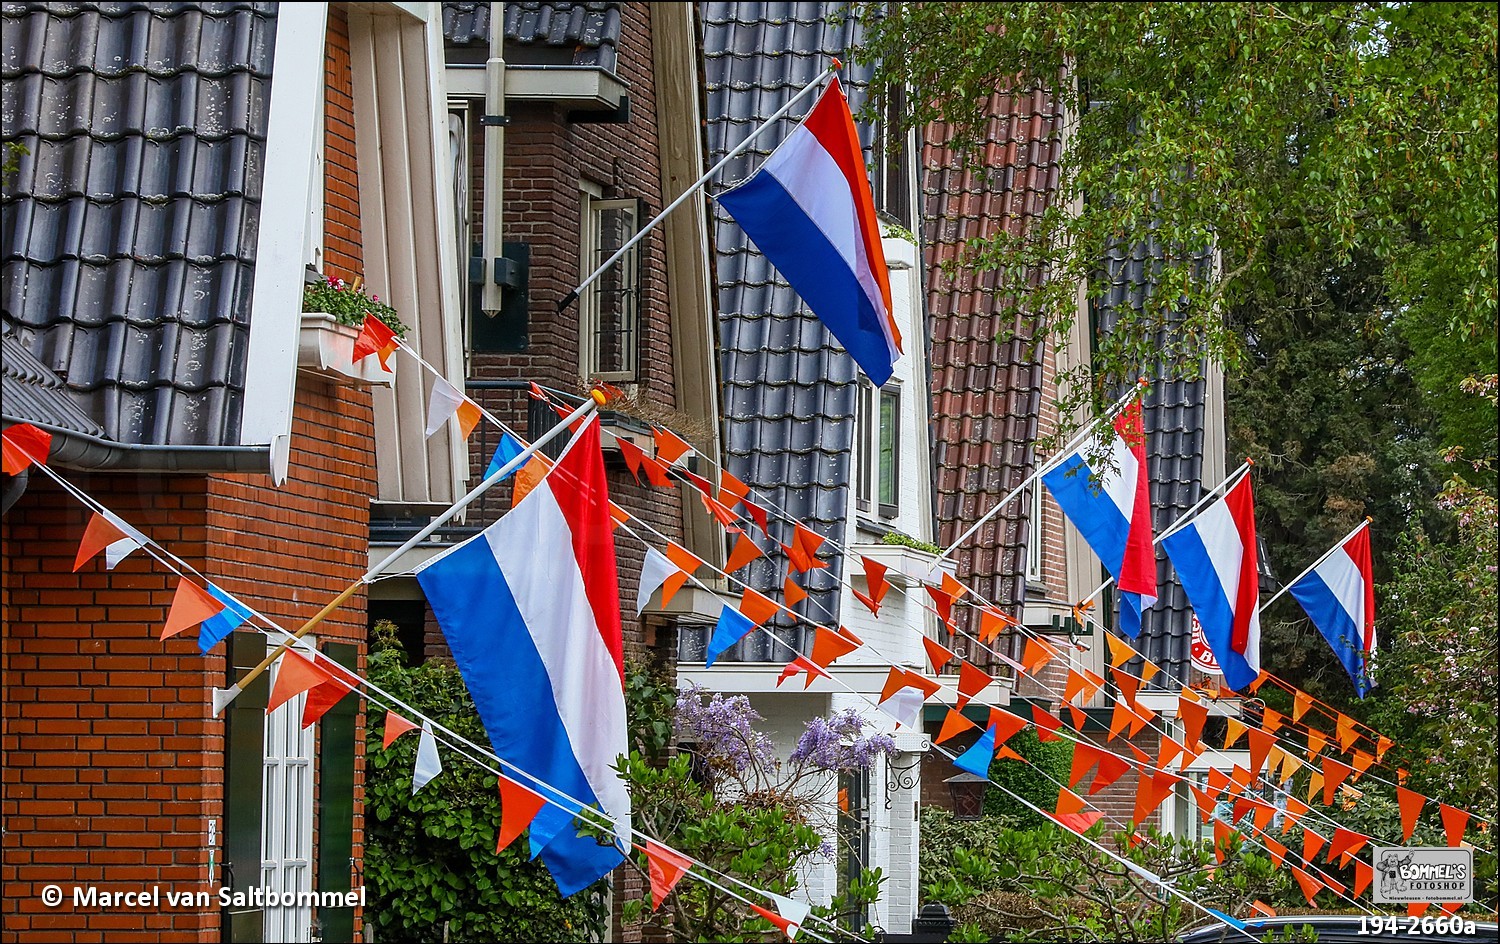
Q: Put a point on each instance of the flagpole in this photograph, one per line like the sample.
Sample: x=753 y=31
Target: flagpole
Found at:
x=1182 y=519
x=1311 y=567
x=736 y=151
x=1041 y=470
x=223 y=696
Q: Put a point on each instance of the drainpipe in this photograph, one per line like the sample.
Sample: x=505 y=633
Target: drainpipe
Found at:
x=494 y=160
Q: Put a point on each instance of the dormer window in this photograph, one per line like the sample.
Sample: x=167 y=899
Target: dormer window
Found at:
x=878 y=449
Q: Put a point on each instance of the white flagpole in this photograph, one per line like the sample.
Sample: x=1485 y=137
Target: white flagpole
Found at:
x=1310 y=567
x=1040 y=471
x=736 y=151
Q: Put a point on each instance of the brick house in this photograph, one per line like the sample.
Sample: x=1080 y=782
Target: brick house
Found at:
x=187 y=166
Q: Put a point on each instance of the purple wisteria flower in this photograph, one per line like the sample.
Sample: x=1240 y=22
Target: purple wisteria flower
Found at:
x=722 y=730
x=836 y=744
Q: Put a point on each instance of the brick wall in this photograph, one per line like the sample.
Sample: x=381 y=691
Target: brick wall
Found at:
x=343 y=255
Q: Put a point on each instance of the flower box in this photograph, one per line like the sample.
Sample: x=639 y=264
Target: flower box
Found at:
x=326 y=347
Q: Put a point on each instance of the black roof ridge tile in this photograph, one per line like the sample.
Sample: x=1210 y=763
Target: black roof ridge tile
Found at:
x=109 y=137
x=169 y=72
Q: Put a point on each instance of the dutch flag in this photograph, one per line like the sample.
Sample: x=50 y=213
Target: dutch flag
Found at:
x=1112 y=510
x=530 y=607
x=1339 y=597
x=810 y=211
x=1216 y=559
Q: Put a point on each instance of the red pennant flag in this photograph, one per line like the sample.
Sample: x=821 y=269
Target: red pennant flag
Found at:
x=1078 y=716
x=1301 y=701
x=23 y=444
x=757 y=607
x=395 y=726
x=656 y=471
x=1127 y=684
x=321 y=698
x=1311 y=843
x=633 y=455
x=745 y=551
x=518 y=807
x=800 y=664
x=829 y=645
x=191 y=605
x=1363 y=875
x=1260 y=745
x=666 y=869
x=1006 y=725
x=731 y=490
x=875 y=579
x=669 y=446
x=1078 y=822
x=375 y=337
x=1192 y=714
x=937 y=654
x=1334 y=773
x=1046 y=723
x=99 y=534
x=941 y=601
x=758 y=515
x=1069 y=802
x=954 y=723
x=1310 y=885
x=792 y=593
x=1411 y=803
x=971 y=681
x=1345 y=843
x=704 y=487
x=1454 y=821
x=872 y=605
x=726 y=517
x=294 y=676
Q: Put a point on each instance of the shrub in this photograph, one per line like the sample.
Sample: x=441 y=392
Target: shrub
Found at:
x=1051 y=759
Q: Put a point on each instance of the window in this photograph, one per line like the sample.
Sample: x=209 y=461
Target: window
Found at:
x=878 y=452
x=609 y=308
x=891 y=177
x=1036 y=537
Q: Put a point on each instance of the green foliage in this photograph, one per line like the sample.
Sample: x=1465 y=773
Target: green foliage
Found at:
x=1333 y=133
x=430 y=862
x=1044 y=884
x=906 y=540
x=349 y=304
x=1036 y=781
x=650 y=697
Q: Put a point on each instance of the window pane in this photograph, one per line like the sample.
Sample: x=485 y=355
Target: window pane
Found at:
x=615 y=294
x=864 y=452
x=889 y=420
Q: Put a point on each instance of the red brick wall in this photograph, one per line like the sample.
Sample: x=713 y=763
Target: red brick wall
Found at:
x=343 y=255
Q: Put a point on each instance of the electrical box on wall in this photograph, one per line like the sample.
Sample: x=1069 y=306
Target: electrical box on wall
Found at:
x=508 y=331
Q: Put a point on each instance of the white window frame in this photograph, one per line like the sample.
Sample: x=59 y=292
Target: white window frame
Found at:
x=868 y=444
x=591 y=255
x=286 y=845
x=1036 y=545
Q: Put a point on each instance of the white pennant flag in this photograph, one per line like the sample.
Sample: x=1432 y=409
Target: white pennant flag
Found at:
x=119 y=550
x=429 y=764
x=905 y=706
x=654 y=573
x=445 y=401
x=795 y=912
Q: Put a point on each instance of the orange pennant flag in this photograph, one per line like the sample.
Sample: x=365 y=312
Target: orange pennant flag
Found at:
x=1260 y=679
x=1169 y=751
x=1334 y=773
x=1295 y=810
x=1233 y=731
x=1454 y=821
x=1119 y=718
x=468 y=414
x=666 y=869
x=971 y=681
x=1192 y=714
x=669 y=446
x=294 y=676
x=99 y=534
x=1276 y=850
x=1258 y=907
x=803 y=550
x=1363 y=875
x=1150 y=793
x=731 y=490
x=528 y=477
x=1411 y=803
x=1382 y=744
x=1271 y=720
x=1085 y=756
x=1314 y=785
x=617 y=516
x=1345 y=843
x=757 y=607
x=1310 y=885
x=321 y=699
x=395 y=726
x=656 y=471
x=1260 y=745
x=1119 y=650
x=745 y=551
x=1316 y=741
x=1361 y=763
x=829 y=645
x=872 y=605
x=1037 y=654
x=633 y=455
x=1417 y=909
x=875 y=579
x=518 y=807
x=1149 y=670
x=1006 y=725
x=1204 y=802
x=1223 y=839
x=992 y=622
x=941 y=601
x=1069 y=802
x=954 y=724
x=1111 y=768
x=375 y=337
x=191 y=605
x=21 y=445
x=1240 y=777
x=937 y=654
x=1046 y=723
x=1264 y=814
x=723 y=514
x=1127 y=684
x=686 y=563
x=1078 y=717
x=792 y=593
x=1217 y=781
x=1347 y=734
x=1301 y=701
x=1005 y=753
x=1075 y=686
x=895 y=680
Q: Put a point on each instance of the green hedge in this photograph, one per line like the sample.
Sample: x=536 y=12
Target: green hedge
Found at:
x=1053 y=758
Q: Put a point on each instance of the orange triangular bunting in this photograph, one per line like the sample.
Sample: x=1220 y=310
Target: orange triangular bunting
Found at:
x=1234 y=729
x=669 y=446
x=745 y=551
x=1085 y=756
x=294 y=676
x=1363 y=875
x=666 y=869
x=395 y=726
x=1037 y=654
x=1260 y=745
x=731 y=490
x=757 y=607
x=321 y=699
x=1192 y=714
x=1119 y=650
x=954 y=724
x=1411 y=803
x=1276 y=850
x=792 y=593
x=1361 y=763
x=1127 y=684
x=1271 y=721
x=1454 y=822
x=1258 y=907
x=937 y=654
x=1346 y=733
x=1310 y=886
x=1069 y=802
x=829 y=645
x=1334 y=773
x=191 y=605
x=518 y=807
x=1311 y=843
x=1346 y=843
x=1046 y=723
x=992 y=622
x=1006 y=725
x=1301 y=701
x=875 y=581
x=99 y=534
x=971 y=681
x=1316 y=741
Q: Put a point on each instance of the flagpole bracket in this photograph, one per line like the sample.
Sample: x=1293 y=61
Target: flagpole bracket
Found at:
x=899 y=777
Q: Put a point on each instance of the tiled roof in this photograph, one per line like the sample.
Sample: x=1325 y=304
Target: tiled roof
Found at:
x=789 y=389
x=29 y=392
x=592 y=29
x=129 y=233
x=986 y=394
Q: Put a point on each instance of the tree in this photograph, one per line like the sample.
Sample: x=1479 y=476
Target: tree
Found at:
x=1352 y=133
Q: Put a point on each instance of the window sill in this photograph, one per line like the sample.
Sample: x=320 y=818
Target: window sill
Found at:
x=909 y=563
x=326 y=347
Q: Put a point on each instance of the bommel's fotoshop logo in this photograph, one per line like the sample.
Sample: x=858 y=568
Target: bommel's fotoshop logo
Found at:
x=1405 y=874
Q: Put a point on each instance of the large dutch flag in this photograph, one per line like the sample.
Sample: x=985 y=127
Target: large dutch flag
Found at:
x=1339 y=597
x=810 y=211
x=530 y=607
x=1112 y=510
x=1216 y=559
